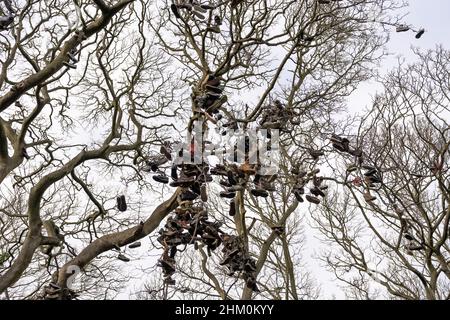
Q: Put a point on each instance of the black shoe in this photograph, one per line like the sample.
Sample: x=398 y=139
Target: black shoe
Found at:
x=203 y=193
x=370 y=172
x=174 y=9
x=208 y=6
x=210 y=88
x=226 y=194
x=188 y=196
x=121 y=203
x=167 y=265
x=199 y=8
x=165 y=151
x=134 y=245
x=217 y=21
x=5 y=22
x=183 y=181
x=408 y=236
x=169 y=281
x=198 y=15
x=231 y=178
x=161 y=178
x=232 y=210
x=195 y=187
x=279 y=230
x=69 y=65
x=259 y=193
x=368 y=197
x=173 y=172
x=317 y=192
x=420 y=33
x=312 y=199
x=298 y=196
x=315 y=153
x=123 y=258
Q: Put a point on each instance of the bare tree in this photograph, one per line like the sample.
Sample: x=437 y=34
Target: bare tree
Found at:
x=93 y=94
x=392 y=227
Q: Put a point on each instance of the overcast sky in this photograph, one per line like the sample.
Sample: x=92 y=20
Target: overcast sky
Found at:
x=434 y=16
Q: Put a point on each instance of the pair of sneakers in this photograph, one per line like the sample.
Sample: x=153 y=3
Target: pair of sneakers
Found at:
x=72 y=59
x=121 y=203
x=340 y=144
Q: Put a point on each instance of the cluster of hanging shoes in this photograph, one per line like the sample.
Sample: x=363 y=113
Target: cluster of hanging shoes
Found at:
x=398 y=28
x=7 y=20
x=277 y=116
x=404 y=28
x=209 y=99
x=237 y=260
x=302 y=178
x=72 y=60
x=198 y=11
x=412 y=244
x=365 y=175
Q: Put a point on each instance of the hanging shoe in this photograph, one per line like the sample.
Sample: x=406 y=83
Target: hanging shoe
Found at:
x=174 y=173
x=215 y=29
x=352 y=168
x=232 y=210
x=211 y=88
x=169 y=281
x=420 y=33
x=174 y=9
x=198 y=15
x=183 y=181
x=259 y=193
x=208 y=6
x=121 y=203
x=123 y=258
x=5 y=22
x=235 y=3
x=266 y=185
x=370 y=172
x=298 y=196
x=226 y=194
x=134 y=245
x=317 y=192
x=408 y=236
x=188 y=196
x=415 y=247
x=402 y=28
x=217 y=20
x=251 y=282
x=72 y=56
x=162 y=178
x=167 y=264
x=69 y=65
x=279 y=230
x=231 y=178
x=203 y=193
x=165 y=150
x=315 y=154
x=225 y=183
x=368 y=197
x=312 y=199
x=199 y=8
